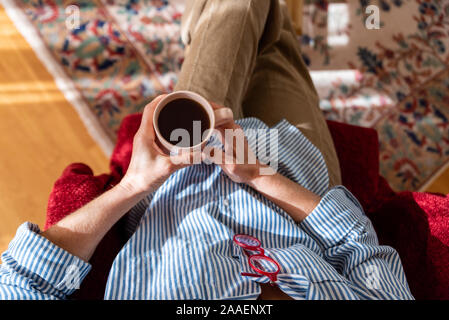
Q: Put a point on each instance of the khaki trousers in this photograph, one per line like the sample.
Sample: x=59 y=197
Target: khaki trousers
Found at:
x=244 y=54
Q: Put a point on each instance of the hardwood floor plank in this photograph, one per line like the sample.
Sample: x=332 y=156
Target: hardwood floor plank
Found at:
x=40 y=134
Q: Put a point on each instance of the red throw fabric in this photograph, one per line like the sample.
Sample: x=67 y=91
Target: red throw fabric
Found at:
x=415 y=224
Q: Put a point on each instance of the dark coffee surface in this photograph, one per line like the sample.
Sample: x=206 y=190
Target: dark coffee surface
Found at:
x=181 y=114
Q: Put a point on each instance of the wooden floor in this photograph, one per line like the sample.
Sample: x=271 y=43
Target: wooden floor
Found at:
x=441 y=184
x=40 y=134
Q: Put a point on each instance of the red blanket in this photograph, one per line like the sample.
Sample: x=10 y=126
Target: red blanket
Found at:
x=415 y=224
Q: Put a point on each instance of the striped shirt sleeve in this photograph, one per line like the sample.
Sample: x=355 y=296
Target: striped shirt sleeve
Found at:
x=337 y=215
x=349 y=244
x=35 y=268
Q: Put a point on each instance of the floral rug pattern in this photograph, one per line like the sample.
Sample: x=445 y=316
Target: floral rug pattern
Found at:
x=123 y=54
x=395 y=79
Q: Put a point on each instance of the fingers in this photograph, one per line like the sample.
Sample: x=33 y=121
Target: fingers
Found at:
x=186 y=158
x=215 y=105
x=208 y=155
x=146 y=126
x=234 y=142
x=216 y=156
x=230 y=124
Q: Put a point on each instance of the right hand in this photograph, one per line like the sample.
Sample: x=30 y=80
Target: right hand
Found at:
x=150 y=166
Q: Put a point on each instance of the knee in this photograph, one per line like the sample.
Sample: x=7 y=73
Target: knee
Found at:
x=256 y=12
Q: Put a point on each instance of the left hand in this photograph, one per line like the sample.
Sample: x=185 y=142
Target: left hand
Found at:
x=238 y=161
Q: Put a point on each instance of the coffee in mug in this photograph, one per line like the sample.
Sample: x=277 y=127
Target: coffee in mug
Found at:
x=184 y=120
x=183 y=114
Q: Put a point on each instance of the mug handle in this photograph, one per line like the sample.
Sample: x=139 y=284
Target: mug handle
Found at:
x=223 y=115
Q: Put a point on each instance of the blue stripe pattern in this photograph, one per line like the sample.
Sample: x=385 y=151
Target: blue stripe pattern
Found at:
x=35 y=268
x=182 y=248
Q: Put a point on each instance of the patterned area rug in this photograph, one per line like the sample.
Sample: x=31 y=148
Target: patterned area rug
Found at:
x=395 y=79
x=118 y=57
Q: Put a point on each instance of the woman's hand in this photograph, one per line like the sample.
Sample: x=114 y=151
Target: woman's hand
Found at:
x=150 y=166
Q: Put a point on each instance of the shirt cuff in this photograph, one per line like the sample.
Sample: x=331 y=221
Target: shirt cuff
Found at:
x=39 y=257
x=337 y=214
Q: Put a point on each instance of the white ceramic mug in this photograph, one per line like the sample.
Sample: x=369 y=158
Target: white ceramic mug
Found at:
x=217 y=117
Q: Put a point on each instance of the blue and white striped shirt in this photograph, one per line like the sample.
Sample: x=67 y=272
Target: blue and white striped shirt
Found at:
x=183 y=249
